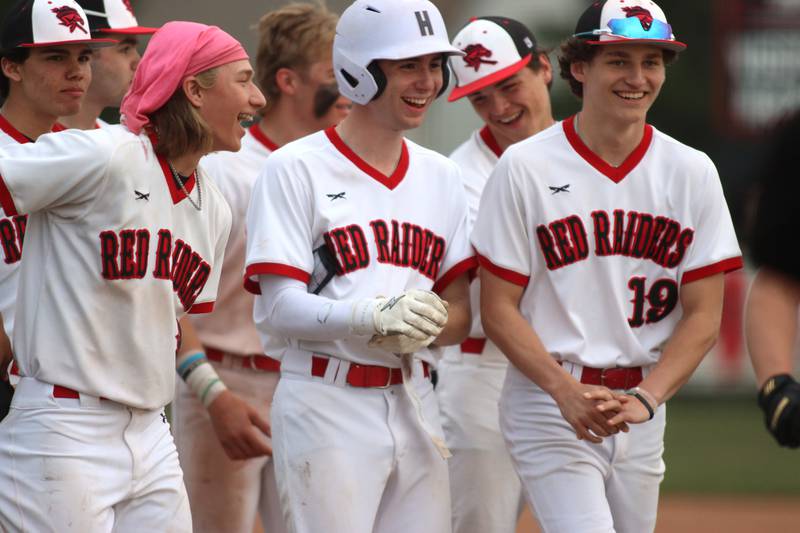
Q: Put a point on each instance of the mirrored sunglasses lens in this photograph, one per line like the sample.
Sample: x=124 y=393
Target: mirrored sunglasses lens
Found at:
x=634 y=28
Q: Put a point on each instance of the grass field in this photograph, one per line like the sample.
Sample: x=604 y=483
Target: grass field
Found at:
x=718 y=445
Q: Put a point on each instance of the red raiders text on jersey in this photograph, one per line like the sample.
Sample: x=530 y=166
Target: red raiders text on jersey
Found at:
x=401 y=244
x=12 y=234
x=632 y=234
x=126 y=256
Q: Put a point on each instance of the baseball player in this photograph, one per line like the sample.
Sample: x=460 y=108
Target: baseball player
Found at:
x=295 y=72
x=774 y=301
x=45 y=73
x=112 y=67
x=356 y=242
x=125 y=235
x=602 y=244
x=506 y=77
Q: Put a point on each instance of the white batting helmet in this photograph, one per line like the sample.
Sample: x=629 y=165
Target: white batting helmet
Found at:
x=384 y=29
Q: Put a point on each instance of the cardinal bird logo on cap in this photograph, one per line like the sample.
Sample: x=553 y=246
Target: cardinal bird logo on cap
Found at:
x=69 y=17
x=641 y=13
x=475 y=56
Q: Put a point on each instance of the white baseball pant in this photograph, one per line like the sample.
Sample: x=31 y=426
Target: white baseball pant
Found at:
x=87 y=465
x=226 y=495
x=575 y=486
x=485 y=490
x=357 y=460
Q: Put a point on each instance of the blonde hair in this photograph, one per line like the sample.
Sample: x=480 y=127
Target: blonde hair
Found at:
x=292 y=37
x=178 y=125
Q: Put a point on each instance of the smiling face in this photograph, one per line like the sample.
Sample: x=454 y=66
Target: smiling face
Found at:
x=515 y=108
x=231 y=100
x=411 y=86
x=51 y=80
x=112 y=70
x=622 y=81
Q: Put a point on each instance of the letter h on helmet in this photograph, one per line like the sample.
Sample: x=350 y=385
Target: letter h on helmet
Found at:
x=369 y=30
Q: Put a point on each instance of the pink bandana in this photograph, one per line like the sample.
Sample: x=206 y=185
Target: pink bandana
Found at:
x=176 y=51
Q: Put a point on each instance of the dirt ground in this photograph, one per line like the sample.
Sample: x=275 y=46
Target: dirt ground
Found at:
x=712 y=514
x=716 y=514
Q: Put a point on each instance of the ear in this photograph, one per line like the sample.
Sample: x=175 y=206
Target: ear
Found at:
x=287 y=81
x=578 y=70
x=546 y=68
x=193 y=91
x=11 y=70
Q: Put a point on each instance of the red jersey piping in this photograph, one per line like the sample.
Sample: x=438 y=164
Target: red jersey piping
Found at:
x=615 y=174
x=390 y=182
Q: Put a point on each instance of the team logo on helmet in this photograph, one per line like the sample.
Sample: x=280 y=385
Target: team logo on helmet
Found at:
x=69 y=17
x=641 y=13
x=475 y=56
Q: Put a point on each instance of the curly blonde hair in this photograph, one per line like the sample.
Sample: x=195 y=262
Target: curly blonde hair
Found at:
x=294 y=36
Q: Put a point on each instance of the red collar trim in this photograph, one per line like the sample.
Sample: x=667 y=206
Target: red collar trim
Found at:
x=174 y=190
x=20 y=137
x=615 y=174
x=390 y=182
x=261 y=137
x=490 y=141
x=13 y=132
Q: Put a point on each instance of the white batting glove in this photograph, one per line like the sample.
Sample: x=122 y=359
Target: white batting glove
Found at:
x=415 y=313
x=399 y=343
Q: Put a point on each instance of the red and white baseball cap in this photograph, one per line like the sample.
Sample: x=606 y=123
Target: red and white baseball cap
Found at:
x=494 y=49
x=113 y=16
x=627 y=21
x=39 y=23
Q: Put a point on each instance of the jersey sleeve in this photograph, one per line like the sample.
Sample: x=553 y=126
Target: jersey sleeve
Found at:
x=61 y=173
x=221 y=228
x=279 y=225
x=459 y=257
x=500 y=236
x=714 y=248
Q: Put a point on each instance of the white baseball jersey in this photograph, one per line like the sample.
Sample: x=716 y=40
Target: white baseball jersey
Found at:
x=388 y=234
x=114 y=254
x=230 y=327
x=477 y=157
x=12 y=232
x=603 y=251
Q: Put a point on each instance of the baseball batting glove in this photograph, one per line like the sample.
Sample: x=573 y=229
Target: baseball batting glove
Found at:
x=779 y=398
x=399 y=343
x=416 y=313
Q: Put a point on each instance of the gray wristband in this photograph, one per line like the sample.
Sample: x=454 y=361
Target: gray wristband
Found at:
x=636 y=394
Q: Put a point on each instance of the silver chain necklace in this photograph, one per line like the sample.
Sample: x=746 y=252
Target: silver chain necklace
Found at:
x=177 y=178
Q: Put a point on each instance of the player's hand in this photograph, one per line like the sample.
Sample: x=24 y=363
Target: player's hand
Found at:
x=582 y=414
x=415 y=313
x=239 y=427
x=621 y=410
x=779 y=398
x=399 y=343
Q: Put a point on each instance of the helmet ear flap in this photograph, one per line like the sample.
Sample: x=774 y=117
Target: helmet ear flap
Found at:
x=445 y=75
x=379 y=77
